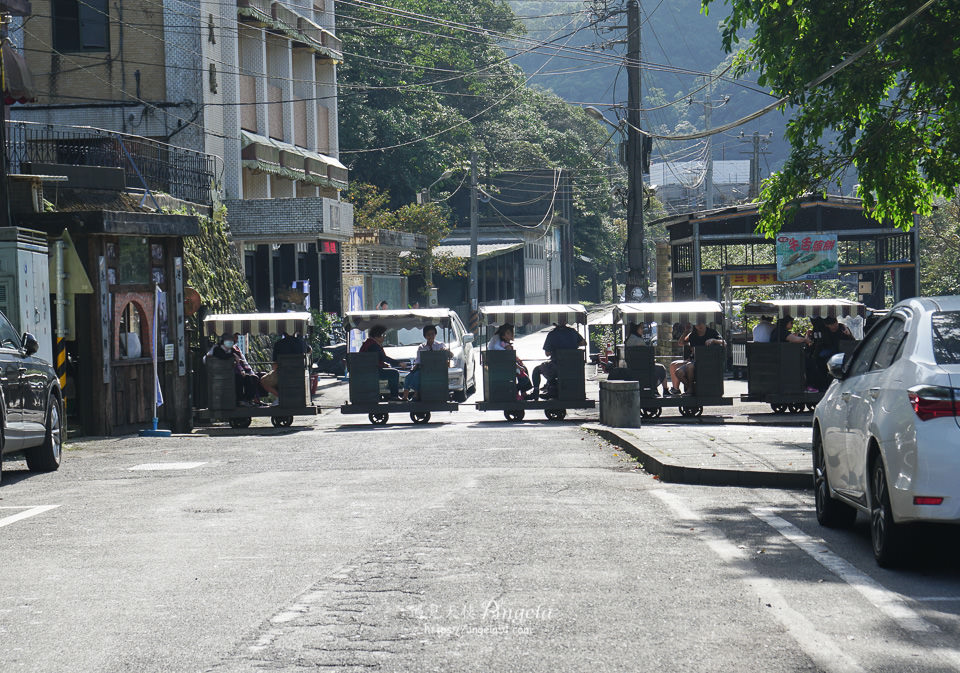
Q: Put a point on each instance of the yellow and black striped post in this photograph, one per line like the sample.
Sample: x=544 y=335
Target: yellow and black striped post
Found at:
x=60 y=364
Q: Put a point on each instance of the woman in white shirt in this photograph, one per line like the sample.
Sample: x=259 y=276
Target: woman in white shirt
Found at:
x=411 y=384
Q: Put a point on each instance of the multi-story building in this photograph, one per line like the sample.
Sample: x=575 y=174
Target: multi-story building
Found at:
x=253 y=82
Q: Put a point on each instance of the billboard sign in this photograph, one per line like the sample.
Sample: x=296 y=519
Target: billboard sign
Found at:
x=807 y=257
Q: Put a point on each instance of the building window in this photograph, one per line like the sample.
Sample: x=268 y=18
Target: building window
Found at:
x=81 y=25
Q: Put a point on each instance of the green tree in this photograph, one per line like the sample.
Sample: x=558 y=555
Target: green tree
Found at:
x=940 y=249
x=891 y=112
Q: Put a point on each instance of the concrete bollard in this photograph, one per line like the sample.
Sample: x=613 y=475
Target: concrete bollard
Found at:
x=620 y=404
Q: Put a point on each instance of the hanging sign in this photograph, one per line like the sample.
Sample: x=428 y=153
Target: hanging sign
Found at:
x=807 y=256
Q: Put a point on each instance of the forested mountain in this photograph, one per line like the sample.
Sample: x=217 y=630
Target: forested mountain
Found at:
x=679 y=44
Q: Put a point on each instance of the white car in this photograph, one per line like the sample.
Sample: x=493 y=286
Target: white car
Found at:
x=405 y=334
x=886 y=436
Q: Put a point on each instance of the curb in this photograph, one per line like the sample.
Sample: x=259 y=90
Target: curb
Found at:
x=700 y=476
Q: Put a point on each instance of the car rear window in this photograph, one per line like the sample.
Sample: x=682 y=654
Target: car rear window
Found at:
x=946 y=337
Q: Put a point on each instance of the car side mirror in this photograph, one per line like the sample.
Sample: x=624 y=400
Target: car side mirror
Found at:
x=468 y=338
x=835 y=365
x=30 y=343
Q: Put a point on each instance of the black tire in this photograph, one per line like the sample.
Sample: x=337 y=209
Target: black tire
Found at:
x=830 y=513
x=887 y=536
x=651 y=412
x=240 y=423
x=555 y=414
x=281 y=421
x=691 y=412
x=779 y=408
x=798 y=408
x=46 y=457
x=379 y=419
x=514 y=415
x=420 y=418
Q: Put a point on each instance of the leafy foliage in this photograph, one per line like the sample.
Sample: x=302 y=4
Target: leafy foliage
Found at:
x=422 y=96
x=214 y=268
x=940 y=249
x=892 y=115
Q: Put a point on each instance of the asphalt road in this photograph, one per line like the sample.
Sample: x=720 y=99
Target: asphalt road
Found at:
x=465 y=545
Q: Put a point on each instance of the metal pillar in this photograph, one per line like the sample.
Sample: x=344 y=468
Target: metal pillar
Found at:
x=474 y=236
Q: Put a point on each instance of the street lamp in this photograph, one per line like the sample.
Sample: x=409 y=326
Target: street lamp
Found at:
x=424 y=196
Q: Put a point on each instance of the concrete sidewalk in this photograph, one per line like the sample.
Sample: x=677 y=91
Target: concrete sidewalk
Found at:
x=755 y=456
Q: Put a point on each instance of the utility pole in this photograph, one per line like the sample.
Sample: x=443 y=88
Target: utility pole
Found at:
x=708 y=178
x=756 y=139
x=636 y=289
x=474 y=235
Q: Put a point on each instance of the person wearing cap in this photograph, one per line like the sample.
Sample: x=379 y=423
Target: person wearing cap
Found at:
x=763 y=329
x=560 y=338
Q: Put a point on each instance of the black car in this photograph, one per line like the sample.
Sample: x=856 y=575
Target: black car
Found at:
x=31 y=403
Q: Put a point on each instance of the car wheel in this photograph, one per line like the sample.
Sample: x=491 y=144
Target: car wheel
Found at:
x=46 y=457
x=886 y=535
x=830 y=513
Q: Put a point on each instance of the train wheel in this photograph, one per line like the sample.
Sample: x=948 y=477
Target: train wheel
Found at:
x=281 y=421
x=651 y=412
x=779 y=408
x=556 y=414
x=240 y=423
x=420 y=418
x=379 y=419
x=514 y=415
x=797 y=408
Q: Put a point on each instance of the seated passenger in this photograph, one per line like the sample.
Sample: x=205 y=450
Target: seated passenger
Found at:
x=226 y=349
x=503 y=341
x=411 y=384
x=287 y=345
x=560 y=337
x=635 y=338
x=827 y=335
x=782 y=333
x=374 y=344
x=683 y=371
x=763 y=329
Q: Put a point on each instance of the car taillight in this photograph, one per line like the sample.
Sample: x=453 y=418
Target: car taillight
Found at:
x=934 y=401
x=927 y=500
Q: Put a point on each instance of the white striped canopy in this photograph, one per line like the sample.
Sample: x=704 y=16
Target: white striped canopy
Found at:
x=669 y=312
x=806 y=308
x=256 y=323
x=534 y=314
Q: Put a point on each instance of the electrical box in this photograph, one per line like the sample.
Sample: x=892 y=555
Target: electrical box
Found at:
x=25 y=285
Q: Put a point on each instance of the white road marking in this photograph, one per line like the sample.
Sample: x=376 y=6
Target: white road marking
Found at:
x=821 y=649
x=888 y=602
x=157 y=467
x=26 y=514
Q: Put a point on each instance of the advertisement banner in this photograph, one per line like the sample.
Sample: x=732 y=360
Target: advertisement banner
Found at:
x=750 y=279
x=807 y=256
x=355 y=303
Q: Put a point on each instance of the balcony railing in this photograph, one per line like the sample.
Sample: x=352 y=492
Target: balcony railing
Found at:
x=182 y=173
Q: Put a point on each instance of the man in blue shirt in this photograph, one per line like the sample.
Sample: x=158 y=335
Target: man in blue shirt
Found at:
x=561 y=337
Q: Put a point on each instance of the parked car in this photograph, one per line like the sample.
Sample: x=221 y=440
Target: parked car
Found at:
x=886 y=436
x=405 y=334
x=31 y=403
